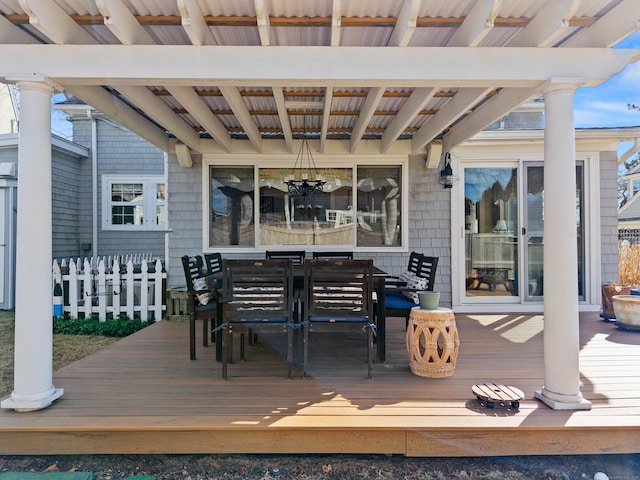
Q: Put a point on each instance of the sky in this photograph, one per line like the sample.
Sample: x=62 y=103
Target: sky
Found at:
x=604 y=105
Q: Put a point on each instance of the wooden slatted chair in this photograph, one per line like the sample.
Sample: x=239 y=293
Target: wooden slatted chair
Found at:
x=343 y=255
x=202 y=303
x=213 y=262
x=397 y=302
x=296 y=256
x=257 y=296
x=338 y=298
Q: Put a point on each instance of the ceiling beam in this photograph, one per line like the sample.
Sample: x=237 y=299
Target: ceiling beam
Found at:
x=478 y=23
x=194 y=23
x=491 y=111
x=406 y=24
x=116 y=109
x=199 y=109
x=326 y=114
x=240 y=110
x=278 y=95
x=407 y=113
x=156 y=109
x=548 y=26
x=366 y=112
x=262 y=21
x=53 y=22
x=312 y=66
x=620 y=22
x=10 y=33
x=453 y=109
x=336 y=22
x=121 y=22
x=183 y=154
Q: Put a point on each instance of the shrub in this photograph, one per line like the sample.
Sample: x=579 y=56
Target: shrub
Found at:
x=121 y=326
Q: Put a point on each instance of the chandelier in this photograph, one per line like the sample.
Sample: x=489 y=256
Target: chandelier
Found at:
x=300 y=184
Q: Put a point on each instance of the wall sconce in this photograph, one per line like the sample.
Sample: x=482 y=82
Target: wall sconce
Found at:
x=447 y=178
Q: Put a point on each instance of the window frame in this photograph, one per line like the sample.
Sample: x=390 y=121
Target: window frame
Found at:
x=286 y=162
x=149 y=205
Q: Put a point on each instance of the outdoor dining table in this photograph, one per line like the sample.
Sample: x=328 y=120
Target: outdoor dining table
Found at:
x=379 y=282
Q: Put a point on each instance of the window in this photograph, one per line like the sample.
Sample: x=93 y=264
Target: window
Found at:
x=368 y=216
x=133 y=203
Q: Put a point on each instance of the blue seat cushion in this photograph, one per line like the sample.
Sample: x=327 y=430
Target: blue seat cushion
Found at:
x=400 y=302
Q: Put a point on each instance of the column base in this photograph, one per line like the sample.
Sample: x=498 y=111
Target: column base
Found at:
x=558 y=401
x=18 y=404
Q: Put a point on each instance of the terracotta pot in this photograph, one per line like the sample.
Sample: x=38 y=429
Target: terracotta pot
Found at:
x=627 y=310
x=608 y=291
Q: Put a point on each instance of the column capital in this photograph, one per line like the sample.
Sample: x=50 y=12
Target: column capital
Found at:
x=34 y=82
x=562 y=84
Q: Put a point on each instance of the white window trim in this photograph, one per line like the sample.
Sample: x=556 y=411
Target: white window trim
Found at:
x=284 y=161
x=149 y=185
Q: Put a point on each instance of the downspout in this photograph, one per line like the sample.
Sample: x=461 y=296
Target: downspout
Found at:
x=94 y=184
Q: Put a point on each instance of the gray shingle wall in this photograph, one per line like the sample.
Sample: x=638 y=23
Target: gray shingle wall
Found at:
x=120 y=152
x=609 y=216
x=185 y=216
x=65 y=205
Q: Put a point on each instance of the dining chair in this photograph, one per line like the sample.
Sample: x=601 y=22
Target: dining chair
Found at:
x=343 y=255
x=296 y=256
x=338 y=298
x=257 y=296
x=202 y=300
x=213 y=263
x=401 y=291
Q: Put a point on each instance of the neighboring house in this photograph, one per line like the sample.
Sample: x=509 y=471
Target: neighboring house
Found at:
x=130 y=185
x=385 y=92
x=629 y=212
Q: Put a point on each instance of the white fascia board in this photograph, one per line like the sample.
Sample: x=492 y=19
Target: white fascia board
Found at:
x=302 y=66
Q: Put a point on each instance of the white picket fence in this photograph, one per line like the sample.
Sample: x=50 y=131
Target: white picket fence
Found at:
x=104 y=288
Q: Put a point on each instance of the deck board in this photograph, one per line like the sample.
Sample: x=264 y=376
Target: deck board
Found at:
x=143 y=395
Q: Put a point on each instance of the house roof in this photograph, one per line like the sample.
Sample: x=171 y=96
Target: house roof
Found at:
x=361 y=75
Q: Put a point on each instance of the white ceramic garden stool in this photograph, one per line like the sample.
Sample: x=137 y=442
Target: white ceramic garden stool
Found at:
x=432 y=342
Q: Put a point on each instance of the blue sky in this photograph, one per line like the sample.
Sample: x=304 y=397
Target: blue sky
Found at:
x=606 y=104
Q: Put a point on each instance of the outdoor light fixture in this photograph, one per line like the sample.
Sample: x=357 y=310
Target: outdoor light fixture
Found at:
x=300 y=184
x=447 y=178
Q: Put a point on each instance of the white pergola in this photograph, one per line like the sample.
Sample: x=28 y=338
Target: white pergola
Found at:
x=238 y=76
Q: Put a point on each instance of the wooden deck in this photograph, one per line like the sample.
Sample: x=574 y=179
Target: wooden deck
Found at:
x=144 y=395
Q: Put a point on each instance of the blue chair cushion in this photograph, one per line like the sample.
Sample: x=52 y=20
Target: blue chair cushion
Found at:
x=399 y=302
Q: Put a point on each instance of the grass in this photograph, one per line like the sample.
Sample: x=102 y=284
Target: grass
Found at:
x=629 y=264
x=66 y=349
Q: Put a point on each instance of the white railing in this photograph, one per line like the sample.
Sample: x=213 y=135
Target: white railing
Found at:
x=109 y=288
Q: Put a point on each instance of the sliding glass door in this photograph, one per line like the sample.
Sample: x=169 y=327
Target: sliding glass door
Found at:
x=504 y=232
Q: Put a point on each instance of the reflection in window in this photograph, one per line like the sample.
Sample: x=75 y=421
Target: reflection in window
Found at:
x=367 y=216
x=133 y=203
x=232 y=194
x=324 y=219
x=379 y=215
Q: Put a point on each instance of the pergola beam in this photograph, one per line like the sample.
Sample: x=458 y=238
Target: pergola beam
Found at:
x=620 y=22
x=53 y=22
x=194 y=23
x=122 y=23
x=548 y=26
x=240 y=110
x=411 y=108
x=114 y=108
x=447 y=114
x=202 y=113
x=501 y=104
x=312 y=66
x=406 y=24
x=366 y=112
x=161 y=113
x=478 y=23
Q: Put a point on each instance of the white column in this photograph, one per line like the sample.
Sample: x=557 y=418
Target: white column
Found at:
x=561 y=323
x=33 y=368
